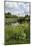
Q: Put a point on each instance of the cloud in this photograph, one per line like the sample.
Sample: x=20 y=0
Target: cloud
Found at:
x=17 y=8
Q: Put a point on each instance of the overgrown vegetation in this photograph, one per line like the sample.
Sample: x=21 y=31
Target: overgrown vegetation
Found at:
x=17 y=34
x=9 y=15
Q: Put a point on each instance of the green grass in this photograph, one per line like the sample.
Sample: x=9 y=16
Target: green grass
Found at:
x=17 y=34
x=10 y=19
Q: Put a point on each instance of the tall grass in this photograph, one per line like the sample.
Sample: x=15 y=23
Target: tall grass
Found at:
x=18 y=34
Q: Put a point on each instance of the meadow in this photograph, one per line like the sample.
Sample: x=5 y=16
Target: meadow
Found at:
x=17 y=32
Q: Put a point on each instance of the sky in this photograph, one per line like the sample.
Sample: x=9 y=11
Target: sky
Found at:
x=17 y=8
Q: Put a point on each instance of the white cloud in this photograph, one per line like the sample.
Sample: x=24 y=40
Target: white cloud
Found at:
x=17 y=8
x=11 y=4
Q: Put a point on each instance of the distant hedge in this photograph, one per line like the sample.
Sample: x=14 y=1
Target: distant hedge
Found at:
x=9 y=15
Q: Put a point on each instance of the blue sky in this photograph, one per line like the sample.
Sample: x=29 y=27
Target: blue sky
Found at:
x=17 y=8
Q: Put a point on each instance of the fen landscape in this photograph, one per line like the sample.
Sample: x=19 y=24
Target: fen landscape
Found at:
x=17 y=28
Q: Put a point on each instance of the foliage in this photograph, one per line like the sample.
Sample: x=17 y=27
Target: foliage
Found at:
x=17 y=34
x=9 y=15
